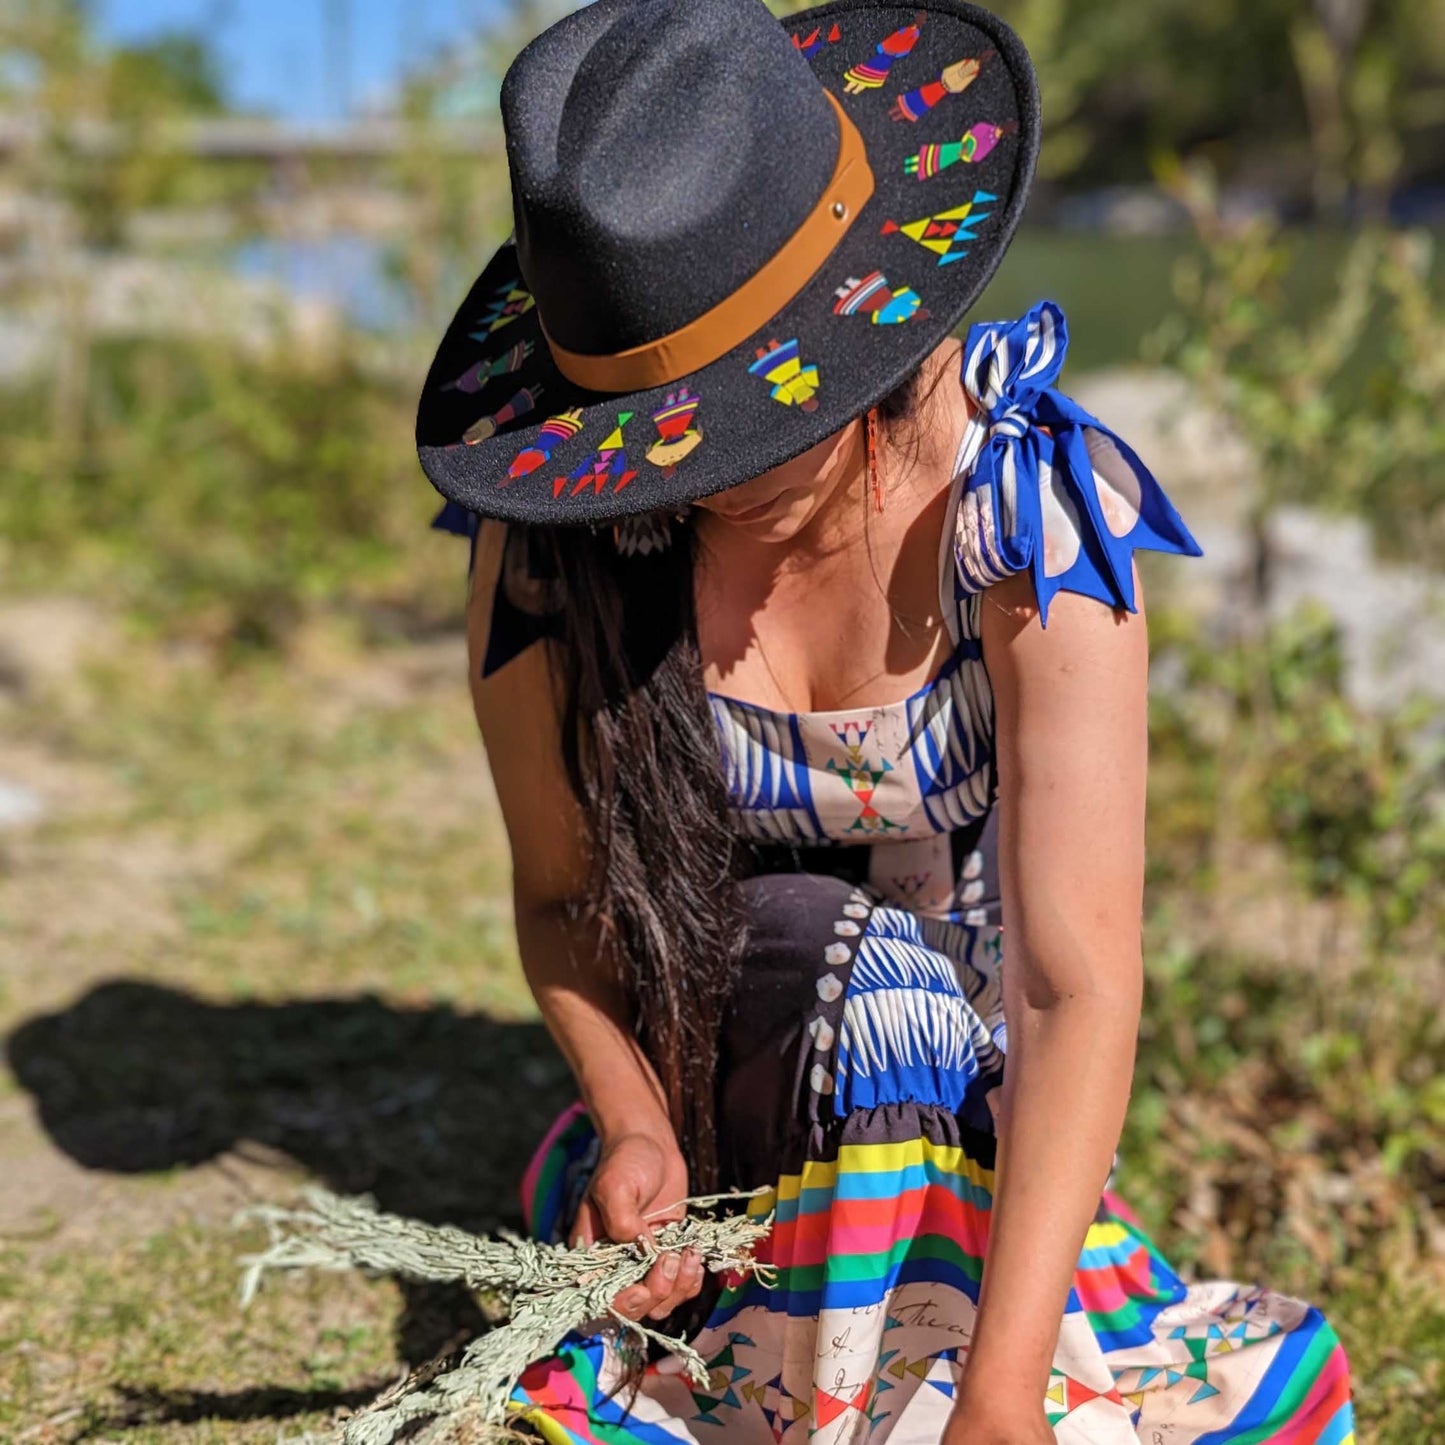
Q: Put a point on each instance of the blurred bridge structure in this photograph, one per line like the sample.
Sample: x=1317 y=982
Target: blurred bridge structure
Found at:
x=257 y=138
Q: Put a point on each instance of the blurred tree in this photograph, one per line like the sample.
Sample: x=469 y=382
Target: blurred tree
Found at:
x=100 y=144
x=1313 y=99
x=172 y=74
x=1346 y=408
x=1315 y=102
x=1373 y=77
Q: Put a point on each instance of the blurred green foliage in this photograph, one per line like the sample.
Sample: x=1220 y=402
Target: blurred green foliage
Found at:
x=1323 y=103
x=213 y=493
x=104 y=113
x=1287 y=1121
x=1259 y=741
x=175 y=73
x=1345 y=406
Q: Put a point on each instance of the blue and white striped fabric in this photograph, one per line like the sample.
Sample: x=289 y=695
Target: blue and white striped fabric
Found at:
x=921 y=1022
x=926 y=762
x=1052 y=490
x=766 y=768
x=950 y=726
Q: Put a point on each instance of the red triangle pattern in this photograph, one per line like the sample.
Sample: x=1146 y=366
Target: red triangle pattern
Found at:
x=827 y=1408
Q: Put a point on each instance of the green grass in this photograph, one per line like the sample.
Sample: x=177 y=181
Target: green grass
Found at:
x=322 y=983
x=143 y=1336
x=1285 y=1128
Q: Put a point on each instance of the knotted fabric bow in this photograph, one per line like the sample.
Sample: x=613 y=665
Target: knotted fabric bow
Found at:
x=1052 y=489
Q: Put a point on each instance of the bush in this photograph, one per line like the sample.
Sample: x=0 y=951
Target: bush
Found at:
x=213 y=492
x=1259 y=740
x=1345 y=408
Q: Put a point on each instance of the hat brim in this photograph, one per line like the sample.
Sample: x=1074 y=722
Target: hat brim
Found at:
x=503 y=433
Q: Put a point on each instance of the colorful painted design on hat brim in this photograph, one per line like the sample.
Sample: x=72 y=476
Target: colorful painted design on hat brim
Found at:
x=607 y=464
x=872 y=74
x=678 y=434
x=951 y=80
x=791 y=380
x=555 y=430
x=873 y=297
x=520 y=405
x=509 y=302
x=972 y=148
x=475 y=378
x=845 y=363
x=815 y=40
x=944 y=231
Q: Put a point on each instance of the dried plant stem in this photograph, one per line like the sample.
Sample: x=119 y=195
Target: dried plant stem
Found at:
x=548 y=1291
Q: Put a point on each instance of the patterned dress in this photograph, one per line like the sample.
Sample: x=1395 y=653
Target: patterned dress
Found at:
x=866 y=1032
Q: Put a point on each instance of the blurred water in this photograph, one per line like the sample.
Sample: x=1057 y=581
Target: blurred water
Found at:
x=351 y=272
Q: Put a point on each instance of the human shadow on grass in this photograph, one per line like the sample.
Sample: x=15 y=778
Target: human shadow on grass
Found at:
x=432 y=1111
x=139 y=1406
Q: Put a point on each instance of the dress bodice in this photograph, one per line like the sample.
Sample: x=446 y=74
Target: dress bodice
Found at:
x=905 y=774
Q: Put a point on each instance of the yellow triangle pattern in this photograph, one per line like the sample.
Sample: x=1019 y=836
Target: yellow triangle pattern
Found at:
x=613 y=439
x=918 y=1368
x=941 y=245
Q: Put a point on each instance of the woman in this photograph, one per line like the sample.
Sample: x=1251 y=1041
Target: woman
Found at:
x=809 y=653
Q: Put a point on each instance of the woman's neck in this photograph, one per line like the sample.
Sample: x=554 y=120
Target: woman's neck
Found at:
x=854 y=595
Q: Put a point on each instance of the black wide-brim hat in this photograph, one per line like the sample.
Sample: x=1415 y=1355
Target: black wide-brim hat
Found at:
x=734 y=235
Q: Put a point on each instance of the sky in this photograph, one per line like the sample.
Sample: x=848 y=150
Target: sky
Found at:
x=276 y=55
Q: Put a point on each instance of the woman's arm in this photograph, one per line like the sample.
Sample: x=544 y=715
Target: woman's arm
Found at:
x=578 y=990
x=1072 y=748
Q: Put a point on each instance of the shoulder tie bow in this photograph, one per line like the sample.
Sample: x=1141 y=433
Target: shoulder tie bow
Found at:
x=1052 y=488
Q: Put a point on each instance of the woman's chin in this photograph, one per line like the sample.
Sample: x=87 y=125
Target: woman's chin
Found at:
x=783 y=527
x=776 y=521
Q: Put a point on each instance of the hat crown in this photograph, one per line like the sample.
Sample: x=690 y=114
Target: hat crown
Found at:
x=661 y=151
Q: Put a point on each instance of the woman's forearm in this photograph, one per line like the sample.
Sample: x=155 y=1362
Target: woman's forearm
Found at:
x=587 y=1013
x=1072 y=715
x=1062 y=1105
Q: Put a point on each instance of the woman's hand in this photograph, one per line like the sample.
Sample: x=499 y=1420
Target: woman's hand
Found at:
x=639 y=1183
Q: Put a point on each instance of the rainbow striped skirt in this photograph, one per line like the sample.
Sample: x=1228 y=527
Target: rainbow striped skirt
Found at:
x=858 y=1056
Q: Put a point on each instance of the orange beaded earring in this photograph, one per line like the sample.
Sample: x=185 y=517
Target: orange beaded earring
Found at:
x=871 y=428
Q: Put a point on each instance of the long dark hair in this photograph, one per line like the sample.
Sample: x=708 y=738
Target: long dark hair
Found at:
x=641 y=752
